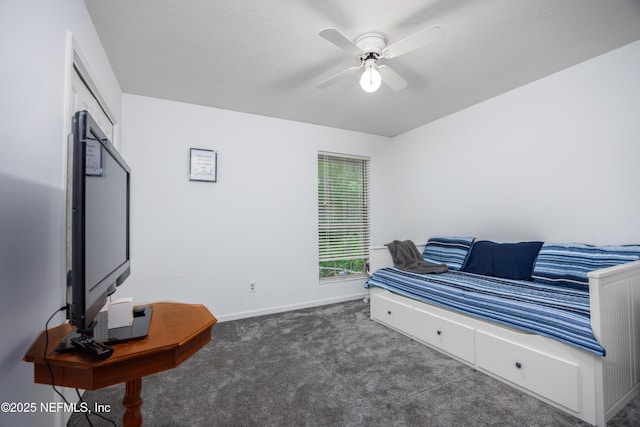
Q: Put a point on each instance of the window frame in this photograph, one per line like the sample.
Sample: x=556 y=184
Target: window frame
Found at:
x=343 y=215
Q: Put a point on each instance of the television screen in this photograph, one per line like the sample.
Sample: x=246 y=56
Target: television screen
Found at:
x=98 y=211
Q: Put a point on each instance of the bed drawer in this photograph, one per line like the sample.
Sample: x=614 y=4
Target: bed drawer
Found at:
x=389 y=310
x=541 y=373
x=450 y=336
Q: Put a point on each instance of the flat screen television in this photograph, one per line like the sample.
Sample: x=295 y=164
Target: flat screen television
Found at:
x=97 y=222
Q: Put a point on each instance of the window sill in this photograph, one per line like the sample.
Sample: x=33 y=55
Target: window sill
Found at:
x=337 y=279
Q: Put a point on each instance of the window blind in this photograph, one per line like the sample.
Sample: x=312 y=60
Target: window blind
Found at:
x=343 y=207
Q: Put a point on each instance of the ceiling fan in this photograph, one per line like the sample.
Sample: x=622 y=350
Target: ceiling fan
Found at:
x=371 y=47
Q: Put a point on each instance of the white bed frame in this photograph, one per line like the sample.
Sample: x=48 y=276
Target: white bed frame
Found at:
x=579 y=382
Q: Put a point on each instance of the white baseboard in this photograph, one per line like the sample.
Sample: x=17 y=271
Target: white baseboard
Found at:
x=290 y=307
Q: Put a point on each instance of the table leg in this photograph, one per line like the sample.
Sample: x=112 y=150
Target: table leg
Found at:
x=132 y=402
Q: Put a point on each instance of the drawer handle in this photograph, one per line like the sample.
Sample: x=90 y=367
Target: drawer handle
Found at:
x=518 y=365
x=439 y=332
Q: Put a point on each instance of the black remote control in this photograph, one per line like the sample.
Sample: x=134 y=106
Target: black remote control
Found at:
x=90 y=345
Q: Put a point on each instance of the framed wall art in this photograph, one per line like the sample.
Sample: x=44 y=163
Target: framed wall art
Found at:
x=203 y=165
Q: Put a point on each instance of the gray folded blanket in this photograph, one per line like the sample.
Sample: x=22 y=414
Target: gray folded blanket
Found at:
x=406 y=257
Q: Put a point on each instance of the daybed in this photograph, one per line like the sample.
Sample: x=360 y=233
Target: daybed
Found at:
x=560 y=322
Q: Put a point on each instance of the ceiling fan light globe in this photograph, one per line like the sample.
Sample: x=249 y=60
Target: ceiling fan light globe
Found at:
x=370 y=80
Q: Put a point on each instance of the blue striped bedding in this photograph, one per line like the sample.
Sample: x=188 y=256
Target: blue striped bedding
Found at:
x=567 y=264
x=552 y=311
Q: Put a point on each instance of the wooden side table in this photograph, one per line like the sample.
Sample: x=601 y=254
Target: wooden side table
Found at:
x=177 y=331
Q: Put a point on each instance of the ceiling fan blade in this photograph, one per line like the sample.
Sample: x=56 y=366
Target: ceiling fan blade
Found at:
x=342 y=74
x=391 y=78
x=340 y=40
x=421 y=38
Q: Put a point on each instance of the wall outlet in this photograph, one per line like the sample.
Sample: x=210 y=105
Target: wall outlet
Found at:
x=252 y=286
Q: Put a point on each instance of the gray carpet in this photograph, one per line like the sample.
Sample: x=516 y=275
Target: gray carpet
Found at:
x=328 y=366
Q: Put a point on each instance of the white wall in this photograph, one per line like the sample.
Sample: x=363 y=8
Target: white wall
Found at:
x=552 y=160
x=555 y=160
x=32 y=181
x=203 y=242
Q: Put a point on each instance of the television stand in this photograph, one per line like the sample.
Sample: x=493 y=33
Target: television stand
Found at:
x=176 y=332
x=137 y=330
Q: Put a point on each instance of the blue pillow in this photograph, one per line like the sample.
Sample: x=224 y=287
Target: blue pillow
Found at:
x=506 y=260
x=568 y=264
x=452 y=251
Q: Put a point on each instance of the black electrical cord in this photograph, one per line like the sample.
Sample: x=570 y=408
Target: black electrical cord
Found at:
x=53 y=384
x=86 y=414
x=46 y=347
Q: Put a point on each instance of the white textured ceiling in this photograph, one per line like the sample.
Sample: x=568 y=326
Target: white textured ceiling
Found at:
x=265 y=56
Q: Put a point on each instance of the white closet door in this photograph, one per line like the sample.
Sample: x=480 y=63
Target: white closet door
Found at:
x=83 y=99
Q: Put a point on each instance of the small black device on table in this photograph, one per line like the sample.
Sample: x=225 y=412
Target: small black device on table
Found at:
x=90 y=346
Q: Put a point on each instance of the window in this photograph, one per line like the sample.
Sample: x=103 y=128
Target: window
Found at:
x=343 y=215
